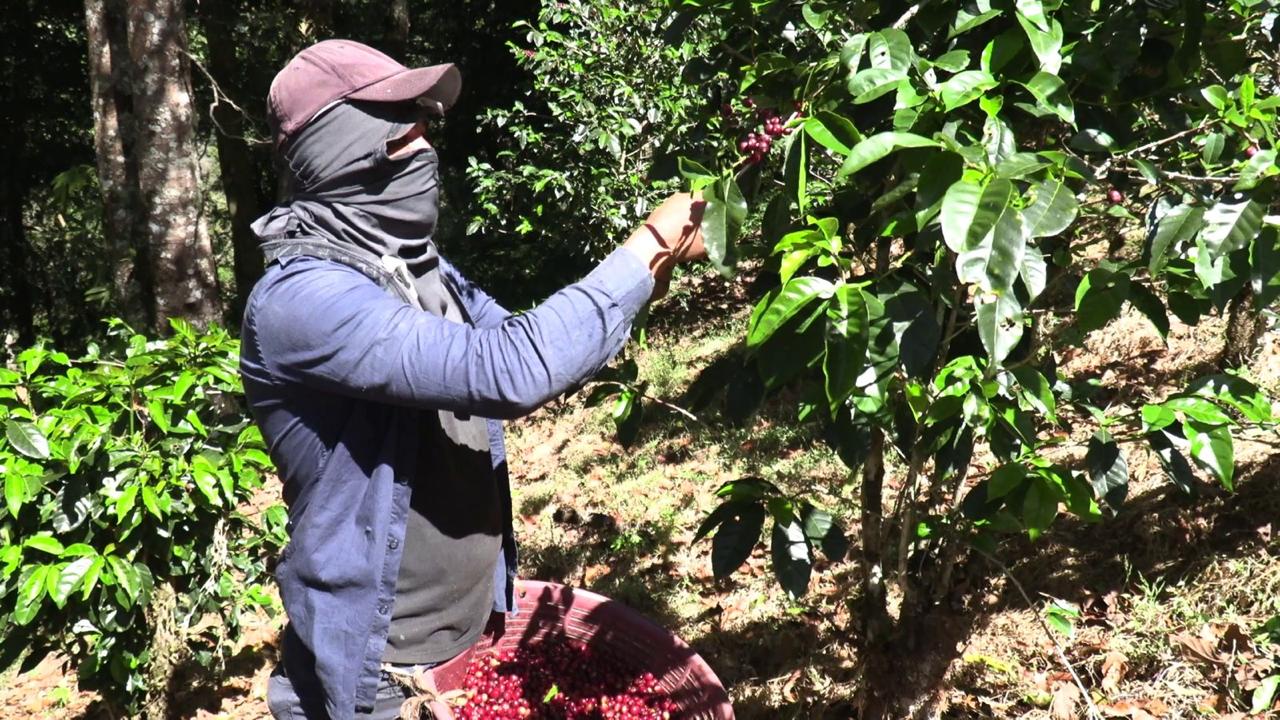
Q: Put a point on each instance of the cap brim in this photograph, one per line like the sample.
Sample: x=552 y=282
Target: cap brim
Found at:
x=441 y=83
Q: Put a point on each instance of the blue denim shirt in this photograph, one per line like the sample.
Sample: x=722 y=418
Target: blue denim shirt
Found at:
x=338 y=373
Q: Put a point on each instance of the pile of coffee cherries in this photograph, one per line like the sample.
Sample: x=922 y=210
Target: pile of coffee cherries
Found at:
x=560 y=680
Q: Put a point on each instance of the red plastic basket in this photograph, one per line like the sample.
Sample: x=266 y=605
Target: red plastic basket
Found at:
x=549 y=610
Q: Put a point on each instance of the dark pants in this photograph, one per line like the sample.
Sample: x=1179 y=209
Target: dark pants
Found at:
x=287 y=702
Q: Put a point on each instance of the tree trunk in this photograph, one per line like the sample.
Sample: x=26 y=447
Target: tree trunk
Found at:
x=235 y=157
x=168 y=173
x=113 y=129
x=396 y=37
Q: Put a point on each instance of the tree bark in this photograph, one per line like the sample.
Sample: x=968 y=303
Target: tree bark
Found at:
x=112 y=102
x=168 y=173
x=235 y=158
x=396 y=37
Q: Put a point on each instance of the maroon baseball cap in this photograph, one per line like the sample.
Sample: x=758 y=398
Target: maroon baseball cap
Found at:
x=334 y=70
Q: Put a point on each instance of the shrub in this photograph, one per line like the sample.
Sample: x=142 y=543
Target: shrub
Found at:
x=123 y=542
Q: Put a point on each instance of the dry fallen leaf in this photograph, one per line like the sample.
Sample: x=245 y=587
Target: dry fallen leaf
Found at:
x=1196 y=648
x=1114 y=667
x=1065 y=698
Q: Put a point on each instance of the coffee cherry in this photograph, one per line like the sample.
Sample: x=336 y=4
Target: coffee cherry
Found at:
x=1115 y=196
x=1253 y=150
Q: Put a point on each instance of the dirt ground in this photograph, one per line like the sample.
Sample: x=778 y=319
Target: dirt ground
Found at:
x=1171 y=595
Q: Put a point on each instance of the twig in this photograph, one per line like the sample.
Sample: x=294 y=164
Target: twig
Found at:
x=1171 y=138
x=676 y=408
x=220 y=96
x=910 y=13
x=1062 y=656
x=1225 y=180
x=736 y=53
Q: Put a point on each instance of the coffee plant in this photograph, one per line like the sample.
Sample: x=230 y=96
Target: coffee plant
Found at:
x=126 y=543
x=592 y=147
x=955 y=193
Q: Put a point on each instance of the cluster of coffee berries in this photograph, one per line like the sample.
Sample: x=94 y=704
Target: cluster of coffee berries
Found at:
x=757 y=144
x=560 y=680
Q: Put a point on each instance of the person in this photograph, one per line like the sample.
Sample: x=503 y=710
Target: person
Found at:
x=380 y=376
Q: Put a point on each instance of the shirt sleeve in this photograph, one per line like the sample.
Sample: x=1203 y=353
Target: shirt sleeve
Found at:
x=483 y=310
x=325 y=325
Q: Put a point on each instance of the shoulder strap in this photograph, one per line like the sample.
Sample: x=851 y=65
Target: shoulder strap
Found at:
x=389 y=272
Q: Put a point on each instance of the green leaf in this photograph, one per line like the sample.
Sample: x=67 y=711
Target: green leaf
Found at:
x=1033 y=11
x=91 y=575
x=890 y=49
x=127 y=500
x=781 y=304
x=1038 y=391
x=1034 y=272
x=846 y=343
x=874 y=83
x=832 y=131
x=965 y=87
x=1171 y=458
x=1046 y=44
x=1213 y=450
x=970 y=211
x=1020 y=165
x=1264 y=696
x=1150 y=305
x=1237 y=392
x=1216 y=95
x=822 y=530
x=878 y=147
x=940 y=172
x=1051 y=92
x=1259 y=167
x=1000 y=324
x=738 y=533
x=125 y=576
x=31 y=590
x=1174 y=229
x=1039 y=508
x=953 y=61
x=44 y=543
x=70 y=578
x=695 y=172
x=1108 y=469
x=1006 y=479
x=1099 y=298
x=721 y=220
x=1265 y=266
x=995 y=262
x=796 y=172
x=792 y=563
x=149 y=501
x=1198 y=408
x=1228 y=227
x=27 y=439
x=15 y=491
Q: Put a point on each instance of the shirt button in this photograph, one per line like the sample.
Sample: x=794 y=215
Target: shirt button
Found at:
x=383 y=609
x=393 y=543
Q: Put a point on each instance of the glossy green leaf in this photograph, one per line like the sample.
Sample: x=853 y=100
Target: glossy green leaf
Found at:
x=31 y=589
x=1176 y=467
x=1265 y=266
x=874 y=83
x=1213 y=450
x=27 y=439
x=833 y=132
x=846 y=344
x=44 y=543
x=15 y=492
x=1149 y=304
x=1052 y=209
x=1174 y=229
x=738 y=533
x=965 y=87
x=890 y=48
x=1108 y=469
x=1034 y=271
x=1046 y=44
x=781 y=304
x=822 y=531
x=1005 y=479
x=1000 y=324
x=792 y=562
x=1100 y=297
x=1039 y=508
x=995 y=262
x=70 y=578
x=970 y=211
x=1051 y=92
x=1244 y=396
x=879 y=146
x=1037 y=391
x=1230 y=226
x=953 y=61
